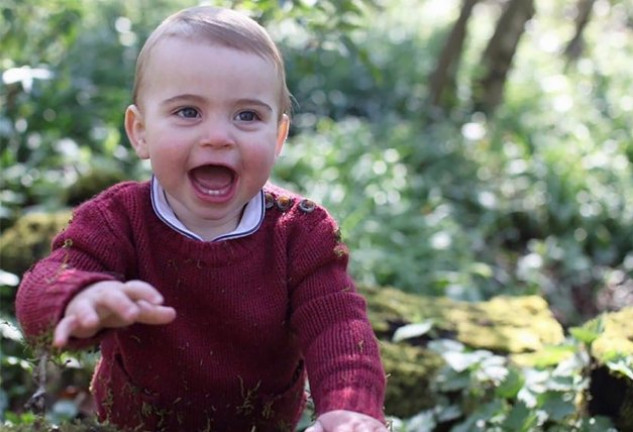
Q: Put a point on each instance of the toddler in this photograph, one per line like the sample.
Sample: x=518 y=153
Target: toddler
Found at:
x=212 y=294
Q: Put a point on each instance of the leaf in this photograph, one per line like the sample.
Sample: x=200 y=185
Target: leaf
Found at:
x=557 y=405
x=449 y=413
x=450 y=381
x=411 y=331
x=460 y=361
x=509 y=388
x=589 y=332
x=422 y=422
x=597 y=424
x=480 y=417
x=443 y=345
x=622 y=365
x=493 y=369
x=520 y=419
x=8 y=279
x=10 y=331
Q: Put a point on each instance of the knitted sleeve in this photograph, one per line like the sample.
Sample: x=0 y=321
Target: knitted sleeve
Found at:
x=329 y=316
x=93 y=248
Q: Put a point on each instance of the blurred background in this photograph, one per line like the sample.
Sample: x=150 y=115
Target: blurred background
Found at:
x=468 y=148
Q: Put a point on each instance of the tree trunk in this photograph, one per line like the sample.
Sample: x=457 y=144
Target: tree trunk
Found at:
x=576 y=44
x=497 y=57
x=442 y=82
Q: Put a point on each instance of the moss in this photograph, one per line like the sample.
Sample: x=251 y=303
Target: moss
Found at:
x=506 y=324
x=28 y=240
x=410 y=371
x=617 y=338
x=503 y=324
x=510 y=325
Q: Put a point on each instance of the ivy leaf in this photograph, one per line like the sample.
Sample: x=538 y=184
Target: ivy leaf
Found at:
x=520 y=419
x=478 y=420
x=450 y=381
x=509 y=388
x=411 y=331
x=557 y=406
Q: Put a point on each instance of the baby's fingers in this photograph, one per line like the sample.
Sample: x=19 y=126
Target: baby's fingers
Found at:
x=116 y=309
x=63 y=331
x=139 y=290
x=155 y=314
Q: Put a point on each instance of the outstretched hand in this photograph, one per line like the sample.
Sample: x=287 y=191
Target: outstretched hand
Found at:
x=346 y=421
x=111 y=304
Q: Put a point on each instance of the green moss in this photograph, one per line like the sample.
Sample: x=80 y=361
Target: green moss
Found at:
x=28 y=240
x=511 y=325
x=617 y=338
x=503 y=324
x=506 y=324
x=410 y=371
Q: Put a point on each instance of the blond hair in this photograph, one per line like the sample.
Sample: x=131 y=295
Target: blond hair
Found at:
x=225 y=27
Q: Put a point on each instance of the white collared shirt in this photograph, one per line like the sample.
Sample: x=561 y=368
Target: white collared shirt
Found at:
x=252 y=216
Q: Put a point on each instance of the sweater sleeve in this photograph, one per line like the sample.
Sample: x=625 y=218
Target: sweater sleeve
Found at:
x=329 y=316
x=89 y=250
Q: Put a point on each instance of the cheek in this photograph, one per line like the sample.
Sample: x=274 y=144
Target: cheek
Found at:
x=262 y=158
x=166 y=153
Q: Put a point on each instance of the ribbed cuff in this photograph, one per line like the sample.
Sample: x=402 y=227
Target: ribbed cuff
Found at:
x=42 y=301
x=364 y=400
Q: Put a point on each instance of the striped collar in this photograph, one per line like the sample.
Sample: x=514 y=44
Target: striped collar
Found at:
x=252 y=217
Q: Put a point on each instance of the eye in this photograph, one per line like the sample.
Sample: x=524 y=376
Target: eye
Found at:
x=247 y=116
x=188 y=112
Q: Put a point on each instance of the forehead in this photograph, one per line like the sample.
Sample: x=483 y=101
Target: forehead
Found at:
x=175 y=45
x=179 y=64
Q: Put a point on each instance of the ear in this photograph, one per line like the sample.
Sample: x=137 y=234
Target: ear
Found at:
x=135 y=129
x=282 y=133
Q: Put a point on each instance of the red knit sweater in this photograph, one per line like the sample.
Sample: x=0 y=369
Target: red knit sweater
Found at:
x=254 y=314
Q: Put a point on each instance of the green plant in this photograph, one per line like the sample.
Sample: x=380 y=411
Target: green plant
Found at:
x=481 y=390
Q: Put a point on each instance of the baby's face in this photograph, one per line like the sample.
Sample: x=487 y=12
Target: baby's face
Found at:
x=208 y=120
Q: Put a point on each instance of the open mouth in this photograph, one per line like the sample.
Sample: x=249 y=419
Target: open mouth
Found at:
x=213 y=180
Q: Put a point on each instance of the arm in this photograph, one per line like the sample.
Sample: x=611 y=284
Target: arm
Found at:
x=95 y=247
x=329 y=317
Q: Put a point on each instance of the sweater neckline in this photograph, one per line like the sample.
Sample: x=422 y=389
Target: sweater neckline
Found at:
x=252 y=216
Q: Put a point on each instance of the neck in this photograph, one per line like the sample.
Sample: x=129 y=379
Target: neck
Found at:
x=207 y=229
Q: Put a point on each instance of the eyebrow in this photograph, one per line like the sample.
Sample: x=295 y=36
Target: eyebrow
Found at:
x=199 y=99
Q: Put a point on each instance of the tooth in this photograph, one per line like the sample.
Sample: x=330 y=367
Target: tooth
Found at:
x=213 y=192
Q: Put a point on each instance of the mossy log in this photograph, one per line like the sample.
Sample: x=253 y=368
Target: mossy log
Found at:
x=519 y=327
x=506 y=325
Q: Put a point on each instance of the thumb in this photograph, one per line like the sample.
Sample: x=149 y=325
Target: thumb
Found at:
x=316 y=427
